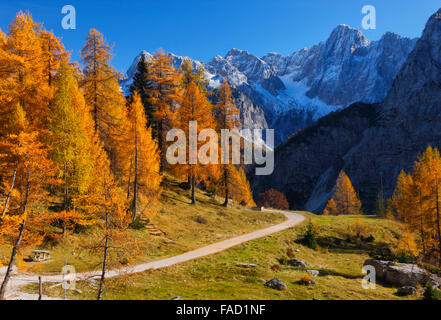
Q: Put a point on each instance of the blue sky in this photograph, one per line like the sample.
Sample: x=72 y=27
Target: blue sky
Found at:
x=204 y=28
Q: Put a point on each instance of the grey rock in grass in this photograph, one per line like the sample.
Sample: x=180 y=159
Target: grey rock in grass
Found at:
x=276 y=284
x=406 y=291
x=296 y=263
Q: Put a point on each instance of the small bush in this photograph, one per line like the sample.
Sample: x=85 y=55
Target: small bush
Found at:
x=283 y=261
x=305 y=279
x=310 y=237
x=358 y=228
x=402 y=257
x=431 y=293
x=290 y=253
x=275 y=268
x=137 y=224
x=273 y=199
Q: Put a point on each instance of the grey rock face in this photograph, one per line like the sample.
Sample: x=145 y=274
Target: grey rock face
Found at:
x=307 y=165
x=405 y=275
x=347 y=68
x=372 y=149
x=289 y=93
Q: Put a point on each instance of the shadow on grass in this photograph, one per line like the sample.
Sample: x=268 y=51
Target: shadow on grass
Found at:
x=354 y=245
x=328 y=272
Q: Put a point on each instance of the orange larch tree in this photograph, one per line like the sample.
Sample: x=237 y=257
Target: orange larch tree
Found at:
x=165 y=95
x=35 y=173
x=195 y=107
x=104 y=97
x=344 y=200
x=71 y=138
x=227 y=116
x=53 y=53
x=142 y=170
x=24 y=68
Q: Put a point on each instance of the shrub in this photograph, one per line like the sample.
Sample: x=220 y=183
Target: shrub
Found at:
x=310 y=237
x=290 y=253
x=358 y=228
x=306 y=279
x=431 y=293
x=138 y=224
x=275 y=268
x=273 y=199
x=283 y=261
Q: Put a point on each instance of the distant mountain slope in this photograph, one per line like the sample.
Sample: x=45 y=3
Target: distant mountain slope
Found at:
x=288 y=93
x=372 y=153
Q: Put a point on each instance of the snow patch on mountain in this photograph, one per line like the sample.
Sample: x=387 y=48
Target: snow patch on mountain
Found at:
x=290 y=92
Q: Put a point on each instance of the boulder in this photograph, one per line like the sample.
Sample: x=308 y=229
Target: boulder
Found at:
x=296 y=263
x=380 y=267
x=247 y=265
x=406 y=275
x=398 y=274
x=406 y=291
x=314 y=273
x=276 y=284
x=436 y=281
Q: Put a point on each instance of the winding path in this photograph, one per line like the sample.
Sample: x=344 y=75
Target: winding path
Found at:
x=19 y=280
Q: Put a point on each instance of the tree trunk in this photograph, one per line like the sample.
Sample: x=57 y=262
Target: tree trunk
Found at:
x=12 y=260
x=135 y=182
x=66 y=199
x=95 y=74
x=193 y=185
x=227 y=190
x=106 y=249
x=423 y=241
x=8 y=197
x=161 y=145
x=438 y=224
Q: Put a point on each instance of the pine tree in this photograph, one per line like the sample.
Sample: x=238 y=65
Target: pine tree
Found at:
x=34 y=174
x=195 y=107
x=72 y=141
x=331 y=208
x=25 y=70
x=227 y=115
x=416 y=201
x=240 y=187
x=103 y=95
x=143 y=160
x=165 y=96
x=53 y=53
x=143 y=86
x=345 y=199
x=190 y=74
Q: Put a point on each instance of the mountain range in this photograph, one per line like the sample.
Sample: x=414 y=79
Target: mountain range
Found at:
x=288 y=93
x=372 y=142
